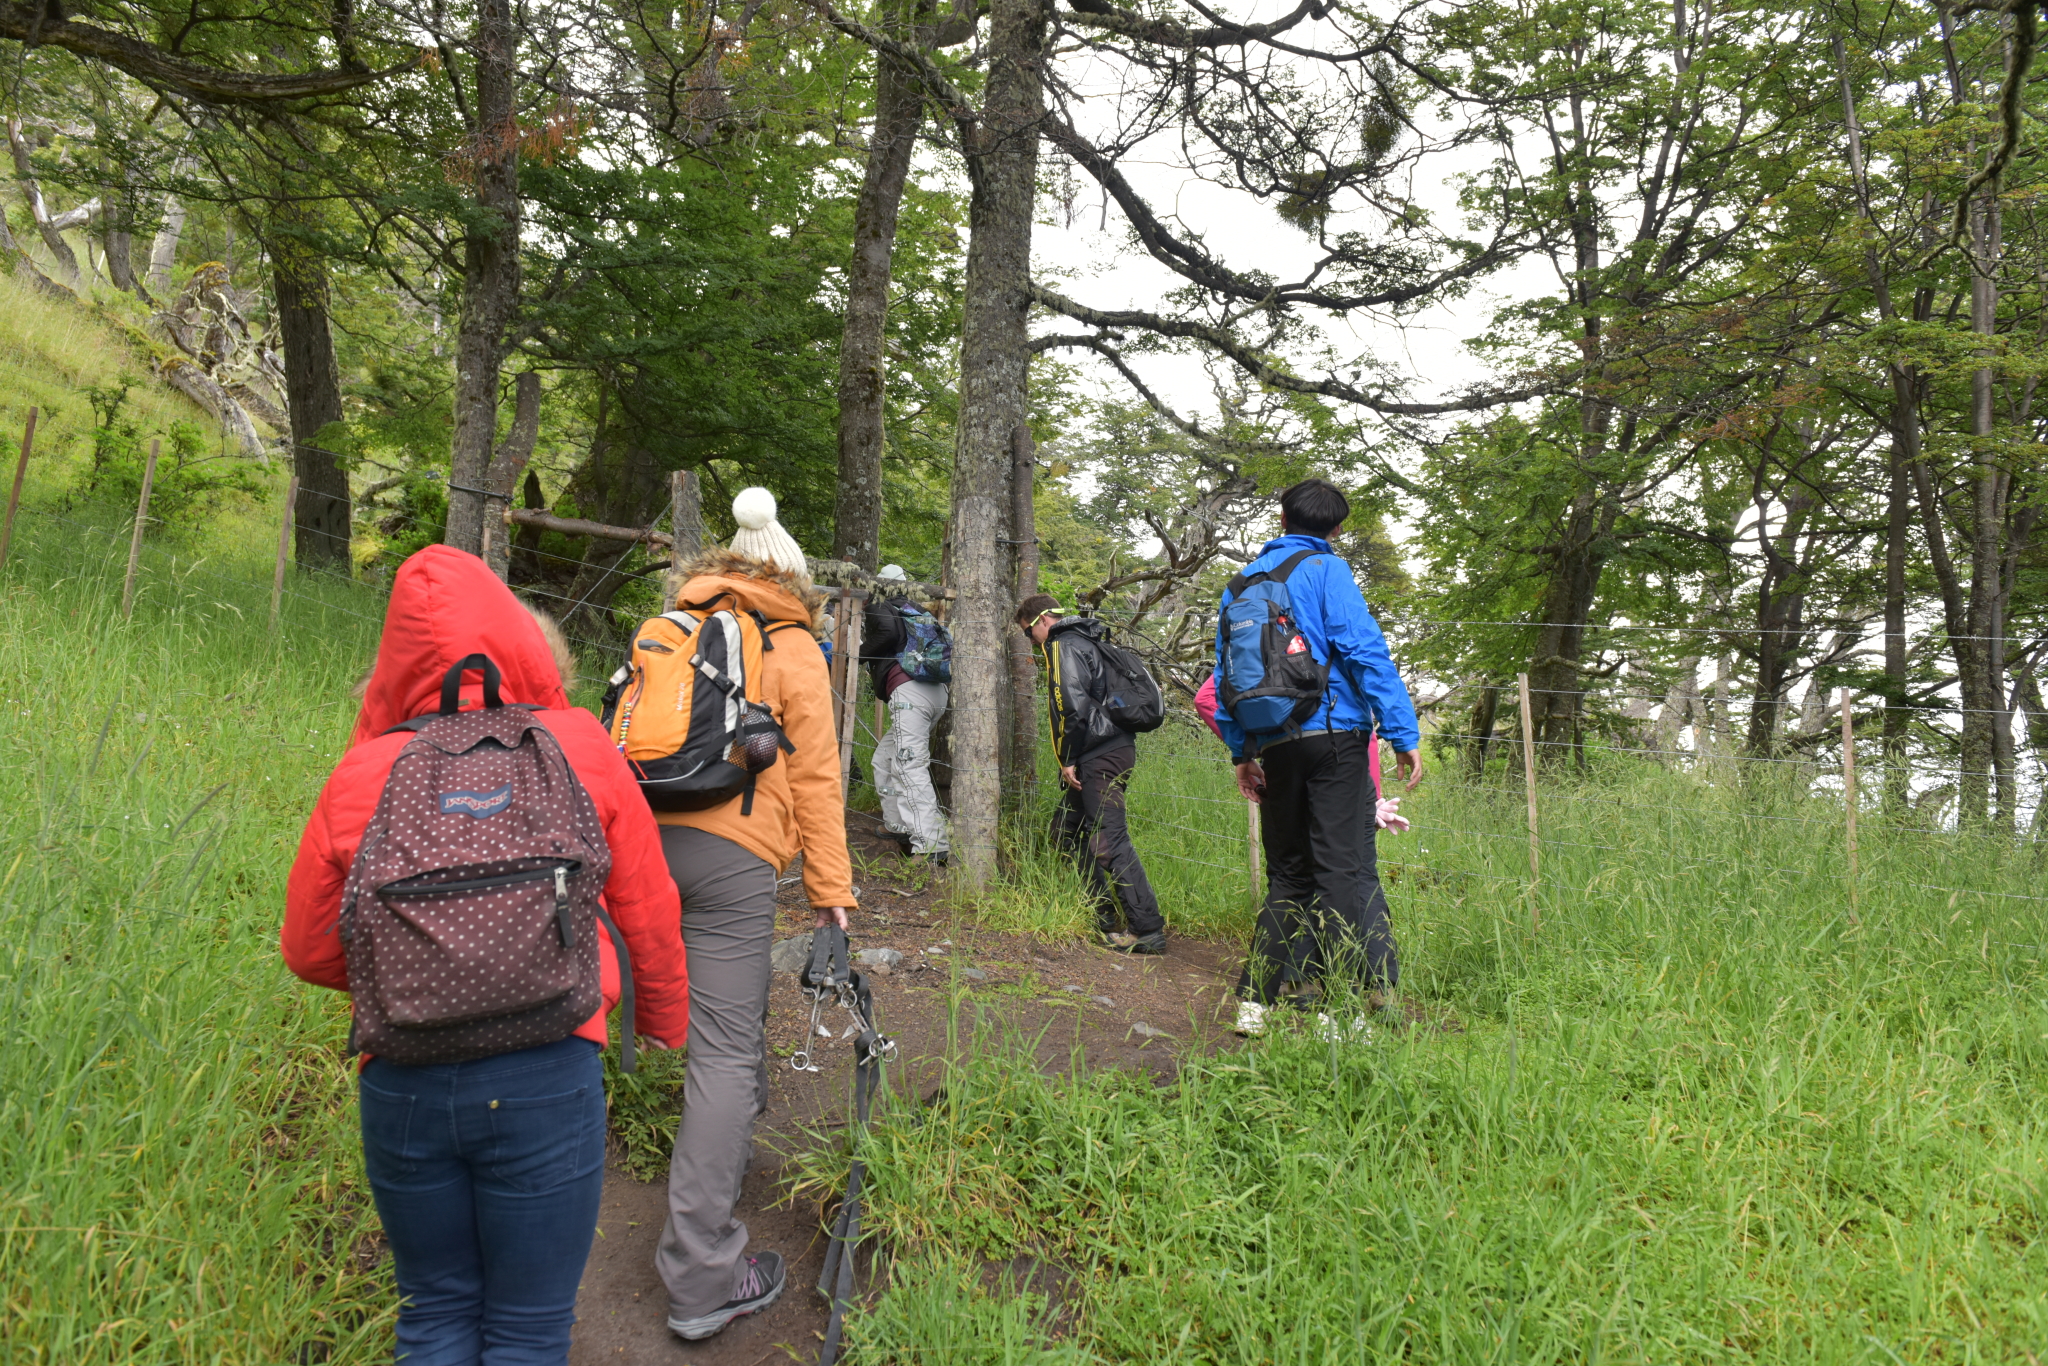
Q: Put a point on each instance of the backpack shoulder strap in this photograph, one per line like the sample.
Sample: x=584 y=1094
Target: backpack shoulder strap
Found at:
x=1280 y=572
x=1277 y=574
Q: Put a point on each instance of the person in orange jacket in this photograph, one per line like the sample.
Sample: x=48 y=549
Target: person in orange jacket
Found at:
x=487 y=1173
x=726 y=860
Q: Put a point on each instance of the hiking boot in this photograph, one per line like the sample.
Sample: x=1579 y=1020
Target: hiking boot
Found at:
x=1149 y=945
x=899 y=838
x=762 y=1277
x=937 y=858
x=1251 y=1019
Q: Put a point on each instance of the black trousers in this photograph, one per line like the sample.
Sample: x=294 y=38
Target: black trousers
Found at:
x=1090 y=828
x=1325 y=914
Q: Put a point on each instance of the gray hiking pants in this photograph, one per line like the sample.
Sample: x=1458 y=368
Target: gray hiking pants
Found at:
x=903 y=766
x=728 y=928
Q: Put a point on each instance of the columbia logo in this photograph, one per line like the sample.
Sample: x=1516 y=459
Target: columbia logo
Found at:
x=478 y=804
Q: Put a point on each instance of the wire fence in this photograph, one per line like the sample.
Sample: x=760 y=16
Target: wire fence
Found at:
x=1185 y=813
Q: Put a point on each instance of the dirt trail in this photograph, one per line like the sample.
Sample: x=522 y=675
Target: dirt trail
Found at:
x=1068 y=998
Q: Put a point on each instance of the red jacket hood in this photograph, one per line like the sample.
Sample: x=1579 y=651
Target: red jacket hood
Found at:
x=446 y=604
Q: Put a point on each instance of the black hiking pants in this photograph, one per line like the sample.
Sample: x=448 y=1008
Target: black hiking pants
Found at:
x=1325 y=914
x=1090 y=828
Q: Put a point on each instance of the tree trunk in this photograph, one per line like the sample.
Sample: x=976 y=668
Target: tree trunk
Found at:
x=39 y=211
x=1554 y=692
x=1780 y=613
x=490 y=273
x=995 y=362
x=1480 y=740
x=163 y=248
x=313 y=401
x=1905 y=451
x=621 y=483
x=863 y=360
x=1023 y=668
x=508 y=463
x=1979 y=657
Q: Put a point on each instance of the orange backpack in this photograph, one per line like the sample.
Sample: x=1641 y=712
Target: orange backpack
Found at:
x=685 y=708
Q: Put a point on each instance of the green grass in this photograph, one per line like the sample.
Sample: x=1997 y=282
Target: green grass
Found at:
x=179 y=1176
x=1701 y=1116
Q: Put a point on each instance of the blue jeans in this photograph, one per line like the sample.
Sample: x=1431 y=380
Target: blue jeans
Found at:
x=487 y=1176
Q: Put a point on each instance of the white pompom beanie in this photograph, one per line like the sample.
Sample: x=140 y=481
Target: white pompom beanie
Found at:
x=761 y=537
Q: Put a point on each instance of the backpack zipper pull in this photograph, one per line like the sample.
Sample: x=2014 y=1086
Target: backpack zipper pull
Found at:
x=562 y=925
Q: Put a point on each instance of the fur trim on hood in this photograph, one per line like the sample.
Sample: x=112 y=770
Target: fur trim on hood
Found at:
x=720 y=562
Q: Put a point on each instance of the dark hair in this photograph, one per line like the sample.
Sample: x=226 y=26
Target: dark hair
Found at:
x=1314 y=507
x=1036 y=606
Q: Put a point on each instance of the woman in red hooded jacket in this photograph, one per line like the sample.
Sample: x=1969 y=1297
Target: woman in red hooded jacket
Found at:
x=487 y=1173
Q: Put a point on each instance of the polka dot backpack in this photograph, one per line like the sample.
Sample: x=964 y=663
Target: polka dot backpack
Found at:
x=471 y=910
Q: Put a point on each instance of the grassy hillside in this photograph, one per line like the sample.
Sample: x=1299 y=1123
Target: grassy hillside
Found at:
x=178 y=1176
x=51 y=352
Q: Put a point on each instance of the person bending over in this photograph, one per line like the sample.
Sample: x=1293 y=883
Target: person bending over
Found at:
x=1096 y=758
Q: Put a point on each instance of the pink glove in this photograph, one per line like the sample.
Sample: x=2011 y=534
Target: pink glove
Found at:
x=1389 y=816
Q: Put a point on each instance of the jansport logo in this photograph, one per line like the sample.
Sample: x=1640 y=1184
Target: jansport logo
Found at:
x=478 y=804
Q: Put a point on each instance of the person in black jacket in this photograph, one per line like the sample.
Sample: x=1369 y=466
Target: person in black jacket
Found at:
x=1096 y=757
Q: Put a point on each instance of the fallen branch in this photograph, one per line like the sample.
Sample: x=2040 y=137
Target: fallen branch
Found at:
x=834 y=572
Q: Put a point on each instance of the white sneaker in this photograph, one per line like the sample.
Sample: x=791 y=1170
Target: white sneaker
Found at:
x=1251 y=1019
x=1328 y=1029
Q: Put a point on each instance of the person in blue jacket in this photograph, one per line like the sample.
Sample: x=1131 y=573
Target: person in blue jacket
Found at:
x=1325 y=911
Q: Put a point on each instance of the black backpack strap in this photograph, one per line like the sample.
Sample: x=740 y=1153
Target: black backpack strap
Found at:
x=625 y=991
x=1277 y=574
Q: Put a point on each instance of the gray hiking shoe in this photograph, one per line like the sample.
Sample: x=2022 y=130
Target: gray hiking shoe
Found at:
x=762 y=1277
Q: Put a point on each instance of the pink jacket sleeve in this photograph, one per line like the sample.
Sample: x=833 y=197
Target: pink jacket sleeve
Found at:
x=1205 y=706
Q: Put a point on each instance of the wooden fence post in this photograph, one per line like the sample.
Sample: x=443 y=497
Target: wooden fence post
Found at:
x=28 y=439
x=1529 y=782
x=135 y=544
x=846 y=677
x=1251 y=849
x=1849 y=796
x=284 y=546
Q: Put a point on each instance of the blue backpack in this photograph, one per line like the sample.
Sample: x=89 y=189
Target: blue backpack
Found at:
x=1269 y=681
x=927 y=653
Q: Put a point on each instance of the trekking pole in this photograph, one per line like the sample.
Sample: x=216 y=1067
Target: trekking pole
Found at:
x=1529 y=782
x=28 y=439
x=284 y=546
x=1849 y=796
x=135 y=544
x=830 y=976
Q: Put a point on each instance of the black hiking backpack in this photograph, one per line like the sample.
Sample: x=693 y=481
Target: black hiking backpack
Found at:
x=1130 y=695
